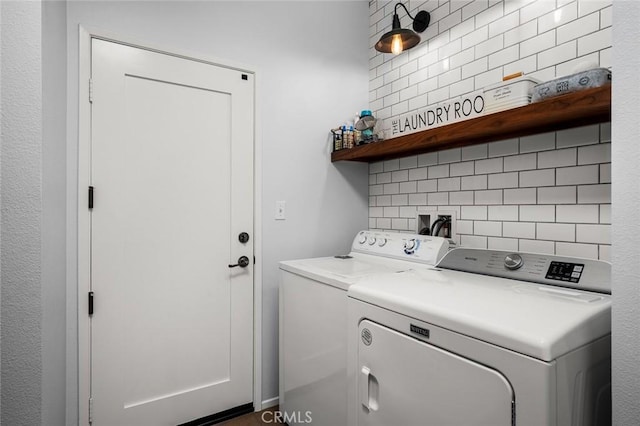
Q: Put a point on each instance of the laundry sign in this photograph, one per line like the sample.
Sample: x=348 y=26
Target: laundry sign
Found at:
x=464 y=108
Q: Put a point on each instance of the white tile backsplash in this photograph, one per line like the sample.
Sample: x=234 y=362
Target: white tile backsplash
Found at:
x=605 y=213
x=558 y=17
x=462 y=169
x=536 y=178
x=449 y=156
x=474 y=182
x=605 y=173
x=595 y=41
x=488 y=228
x=474 y=8
x=578 y=175
x=419 y=173
x=504 y=213
x=578 y=136
x=493 y=165
x=578 y=28
x=474 y=152
x=593 y=234
x=557 y=195
x=545 y=193
x=428 y=185
x=536 y=9
x=576 y=213
x=438 y=199
x=562 y=53
x=502 y=148
x=399 y=200
x=538 y=43
x=557 y=158
x=519 y=230
x=488 y=197
x=400 y=176
x=539 y=142
x=521 y=33
x=520 y=196
x=439 y=171
x=449 y=184
x=408 y=187
x=508 y=244
x=599 y=194
x=556 y=231
x=391 y=188
x=461 y=198
x=473 y=212
x=537 y=246
x=505 y=23
x=594 y=154
x=538 y=213
x=589 y=251
x=473 y=241
x=520 y=162
x=503 y=180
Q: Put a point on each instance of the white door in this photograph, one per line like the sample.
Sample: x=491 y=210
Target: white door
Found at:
x=172 y=172
x=403 y=381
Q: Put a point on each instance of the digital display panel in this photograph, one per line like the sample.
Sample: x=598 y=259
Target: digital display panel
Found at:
x=563 y=271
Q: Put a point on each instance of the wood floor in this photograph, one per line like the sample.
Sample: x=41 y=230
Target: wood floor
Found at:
x=261 y=418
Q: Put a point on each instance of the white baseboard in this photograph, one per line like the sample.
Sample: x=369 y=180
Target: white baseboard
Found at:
x=268 y=403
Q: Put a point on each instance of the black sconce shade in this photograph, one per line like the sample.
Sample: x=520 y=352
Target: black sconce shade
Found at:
x=399 y=39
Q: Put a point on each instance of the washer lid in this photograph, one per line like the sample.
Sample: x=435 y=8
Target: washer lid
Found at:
x=342 y=272
x=538 y=320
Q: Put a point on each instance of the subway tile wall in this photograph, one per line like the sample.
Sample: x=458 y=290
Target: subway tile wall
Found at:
x=546 y=193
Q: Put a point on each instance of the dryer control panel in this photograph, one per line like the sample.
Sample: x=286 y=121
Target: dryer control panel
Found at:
x=582 y=274
x=413 y=247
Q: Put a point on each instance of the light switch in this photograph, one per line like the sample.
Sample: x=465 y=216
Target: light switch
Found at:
x=280 y=210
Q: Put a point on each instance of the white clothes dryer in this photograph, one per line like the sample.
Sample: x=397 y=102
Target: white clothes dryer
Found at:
x=313 y=319
x=487 y=338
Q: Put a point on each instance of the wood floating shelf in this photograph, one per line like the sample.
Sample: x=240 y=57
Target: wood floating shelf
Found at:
x=590 y=106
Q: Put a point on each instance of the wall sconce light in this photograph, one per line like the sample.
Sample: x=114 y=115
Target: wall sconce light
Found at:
x=399 y=39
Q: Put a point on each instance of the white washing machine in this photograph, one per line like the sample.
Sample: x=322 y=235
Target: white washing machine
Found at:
x=313 y=319
x=487 y=338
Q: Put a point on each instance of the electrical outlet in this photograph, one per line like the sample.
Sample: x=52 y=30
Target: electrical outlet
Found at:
x=280 y=210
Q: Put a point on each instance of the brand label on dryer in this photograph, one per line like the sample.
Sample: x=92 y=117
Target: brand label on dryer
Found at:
x=419 y=330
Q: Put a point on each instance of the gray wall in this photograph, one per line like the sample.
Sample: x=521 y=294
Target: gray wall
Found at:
x=21 y=156
x=626 y=201
x=54 y=143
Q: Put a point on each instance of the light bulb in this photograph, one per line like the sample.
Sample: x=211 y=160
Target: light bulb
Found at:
x=396 y=44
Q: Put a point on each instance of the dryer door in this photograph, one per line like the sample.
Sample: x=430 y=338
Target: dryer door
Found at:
x=404 y=381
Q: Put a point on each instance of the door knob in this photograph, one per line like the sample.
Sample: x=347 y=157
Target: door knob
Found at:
x=243 y=262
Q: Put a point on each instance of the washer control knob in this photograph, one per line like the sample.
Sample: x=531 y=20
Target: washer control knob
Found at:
x=372 y=240
x=382 y=242
x=513 y=261
x=409 y=245
x=362 y=239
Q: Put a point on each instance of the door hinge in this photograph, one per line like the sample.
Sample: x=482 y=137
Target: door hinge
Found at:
x=90 y=90
x=90 y=303
x=90 y=410
x=90 y=197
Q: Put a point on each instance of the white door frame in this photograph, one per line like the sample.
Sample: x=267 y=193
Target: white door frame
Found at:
x=84 y=218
